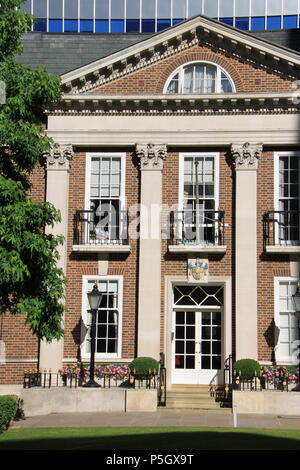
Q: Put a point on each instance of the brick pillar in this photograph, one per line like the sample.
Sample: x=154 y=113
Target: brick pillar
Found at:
x=57 y=193
x=246 y=164
x=151 y=159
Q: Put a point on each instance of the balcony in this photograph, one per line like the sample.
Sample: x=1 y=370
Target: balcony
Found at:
x=197 y=231
x=96 y=232
x=281 y=232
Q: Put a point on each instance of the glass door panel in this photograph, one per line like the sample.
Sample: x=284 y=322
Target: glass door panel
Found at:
x=197 y=346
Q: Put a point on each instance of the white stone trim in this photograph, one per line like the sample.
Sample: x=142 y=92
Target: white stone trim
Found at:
x=210 y=130
x=197 y=249
x=282 y=249
x=212 y=103
x=105 y=248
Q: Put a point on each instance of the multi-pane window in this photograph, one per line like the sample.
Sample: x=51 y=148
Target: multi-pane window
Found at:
x=107 y=320
x=288 y=199
x=287 y=323
x=199 y=78
x=105 y=196
x=199 y=198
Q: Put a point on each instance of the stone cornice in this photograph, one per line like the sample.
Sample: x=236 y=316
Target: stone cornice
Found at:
x=151 y=156
x=165 y=104
x=197 y=31
x=246 y=156
x=59 y=157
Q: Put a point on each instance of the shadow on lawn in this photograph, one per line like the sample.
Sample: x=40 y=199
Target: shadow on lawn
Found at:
x=197 y=440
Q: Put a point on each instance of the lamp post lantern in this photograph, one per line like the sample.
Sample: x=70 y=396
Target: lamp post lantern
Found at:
x=296 y=299
x=94 y=298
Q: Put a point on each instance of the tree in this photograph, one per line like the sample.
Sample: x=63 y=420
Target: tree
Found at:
x=30 y=282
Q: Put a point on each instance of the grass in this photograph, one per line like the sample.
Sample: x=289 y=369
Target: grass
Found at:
x=149 y=438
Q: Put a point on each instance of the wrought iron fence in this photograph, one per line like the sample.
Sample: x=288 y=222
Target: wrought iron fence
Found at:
x=93 y=228
x=73 y=380
x=261 y=382
x=197 y=227
x=153 y=380
x=162 y=383
x=223 y=393
x=281 y=228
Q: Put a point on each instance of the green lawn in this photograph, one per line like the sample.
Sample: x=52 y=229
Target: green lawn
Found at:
x=149 y=438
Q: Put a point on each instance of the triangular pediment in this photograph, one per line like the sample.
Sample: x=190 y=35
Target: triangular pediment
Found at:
x=199 y=30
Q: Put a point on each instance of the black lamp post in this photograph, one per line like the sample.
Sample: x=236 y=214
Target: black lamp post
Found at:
x=296 y=298
x=94 y=298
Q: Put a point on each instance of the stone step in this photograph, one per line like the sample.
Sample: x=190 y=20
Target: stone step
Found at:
x=190 y=395
x=219 y=411
x=189 y=406
x=203 y=401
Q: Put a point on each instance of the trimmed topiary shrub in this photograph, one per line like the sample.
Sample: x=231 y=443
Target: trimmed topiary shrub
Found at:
x=247 y=368
x=142 y=365
x=8 y=409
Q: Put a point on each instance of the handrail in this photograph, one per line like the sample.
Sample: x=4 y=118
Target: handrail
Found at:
x=281 y=228
x=108 y=227
x=201 y=227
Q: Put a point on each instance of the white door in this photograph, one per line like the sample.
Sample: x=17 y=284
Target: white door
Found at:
x=197 y=346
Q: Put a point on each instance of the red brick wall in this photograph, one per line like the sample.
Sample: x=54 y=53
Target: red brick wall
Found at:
x=176 y=265
x=152 y=79
x=268 y=265
x=84 y=264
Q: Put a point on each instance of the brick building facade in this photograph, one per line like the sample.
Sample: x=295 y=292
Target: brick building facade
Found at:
x=191 y=138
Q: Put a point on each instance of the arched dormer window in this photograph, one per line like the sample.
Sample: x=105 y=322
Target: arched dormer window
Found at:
x=200 y=78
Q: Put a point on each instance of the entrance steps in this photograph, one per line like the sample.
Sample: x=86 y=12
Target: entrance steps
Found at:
x=190 y=397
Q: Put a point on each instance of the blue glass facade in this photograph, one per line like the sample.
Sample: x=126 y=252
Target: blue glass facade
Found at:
x=149 y=16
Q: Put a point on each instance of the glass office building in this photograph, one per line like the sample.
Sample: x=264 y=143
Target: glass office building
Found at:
x=147 y=16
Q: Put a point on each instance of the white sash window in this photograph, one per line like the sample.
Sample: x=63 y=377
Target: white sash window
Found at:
x=286 y=322
x=109 y=316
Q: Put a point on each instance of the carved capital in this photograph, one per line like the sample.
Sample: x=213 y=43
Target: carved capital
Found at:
x=59 y=157
x=246 y=156
x=151 y=156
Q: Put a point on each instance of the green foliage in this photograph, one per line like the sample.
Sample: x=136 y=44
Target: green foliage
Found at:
x=30 y=282
x=8 y=409
x=247 y=367
x=291 y=369
x=13 y=23
x=142 y=366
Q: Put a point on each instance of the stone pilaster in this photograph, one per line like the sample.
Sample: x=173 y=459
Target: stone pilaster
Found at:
x=245 y=160
x=151 y=158
x=58 y=161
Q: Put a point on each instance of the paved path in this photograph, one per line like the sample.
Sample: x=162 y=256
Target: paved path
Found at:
x=163 y=417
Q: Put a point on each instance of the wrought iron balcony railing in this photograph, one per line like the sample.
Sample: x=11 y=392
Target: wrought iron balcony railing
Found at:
x=108 y=228
x=197 y=227
x=282 y=228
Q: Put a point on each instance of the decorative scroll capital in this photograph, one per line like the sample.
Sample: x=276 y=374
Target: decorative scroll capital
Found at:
x=59 y=157
x=151 y=156
x=245 y=156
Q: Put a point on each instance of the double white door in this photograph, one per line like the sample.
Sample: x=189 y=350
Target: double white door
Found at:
x=197 y=346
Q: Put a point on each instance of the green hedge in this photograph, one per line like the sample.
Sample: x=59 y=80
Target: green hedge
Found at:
x=142 y=366
x=8 y=409
x=247 y=368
